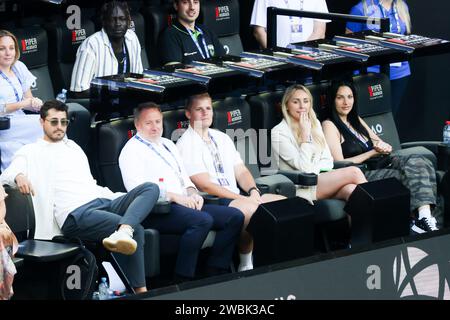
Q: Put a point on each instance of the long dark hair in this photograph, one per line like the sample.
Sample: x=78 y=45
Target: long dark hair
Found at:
x=331 y=114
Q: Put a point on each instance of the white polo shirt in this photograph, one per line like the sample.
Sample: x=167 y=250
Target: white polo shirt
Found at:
x=96 y=58
x=285 y=34
x=139 y=163
x=198 y=159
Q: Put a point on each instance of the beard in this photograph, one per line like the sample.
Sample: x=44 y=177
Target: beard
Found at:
x=54 y=137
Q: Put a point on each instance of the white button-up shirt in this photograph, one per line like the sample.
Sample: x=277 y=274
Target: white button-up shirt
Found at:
x=96 y=58
x=139 y=163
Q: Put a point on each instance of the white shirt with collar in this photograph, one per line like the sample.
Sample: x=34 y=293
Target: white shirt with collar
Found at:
x=198 y=159
x=139 y=163
x=96 y=58
x=62 y=181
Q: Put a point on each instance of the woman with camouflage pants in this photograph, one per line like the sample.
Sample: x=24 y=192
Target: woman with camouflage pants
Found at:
x=351 y=139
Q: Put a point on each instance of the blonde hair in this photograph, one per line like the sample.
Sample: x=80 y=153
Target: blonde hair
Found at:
x=6 y=33
x=402 y=9
x=316 y=131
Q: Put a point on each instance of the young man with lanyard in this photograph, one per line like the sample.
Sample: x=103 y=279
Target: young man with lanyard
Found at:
x=113 y=50
x=289 y=29
x=400 y=22
x=216 y=167
x=185 y=41
x=147 y=157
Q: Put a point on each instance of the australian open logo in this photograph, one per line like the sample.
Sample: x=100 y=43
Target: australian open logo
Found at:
x=133 y=26
x=222 y=13
x=422 y=275
x=29 y=45
x=234 y=117
x=78 y=36
x=375 y=92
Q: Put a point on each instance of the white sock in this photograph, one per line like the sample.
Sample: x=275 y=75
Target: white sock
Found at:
x=246 y=259
x=424 y=212
x=127 y=229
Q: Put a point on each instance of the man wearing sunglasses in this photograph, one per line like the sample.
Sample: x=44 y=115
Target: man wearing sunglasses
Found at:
x=67 y=199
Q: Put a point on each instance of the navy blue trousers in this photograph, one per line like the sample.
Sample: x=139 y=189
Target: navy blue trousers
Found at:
x=193 y=227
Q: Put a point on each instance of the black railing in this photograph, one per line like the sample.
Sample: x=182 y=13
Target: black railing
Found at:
x=273 y=12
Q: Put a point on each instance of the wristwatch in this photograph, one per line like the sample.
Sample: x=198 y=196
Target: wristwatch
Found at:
x=253 y=188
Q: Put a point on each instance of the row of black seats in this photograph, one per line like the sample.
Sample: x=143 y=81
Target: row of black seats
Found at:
x=243 y=118
x=52 y=50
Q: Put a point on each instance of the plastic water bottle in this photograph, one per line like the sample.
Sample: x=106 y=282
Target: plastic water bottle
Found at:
x=162 y=190
x=446 y=133
x=103 y=289
x=62 y=96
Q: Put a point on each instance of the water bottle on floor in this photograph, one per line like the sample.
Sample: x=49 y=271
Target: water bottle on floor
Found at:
x=103 y=289
x=62 y=96
x=446 y=133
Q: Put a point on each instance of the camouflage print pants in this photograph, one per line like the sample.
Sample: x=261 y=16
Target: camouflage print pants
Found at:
x=416 y=173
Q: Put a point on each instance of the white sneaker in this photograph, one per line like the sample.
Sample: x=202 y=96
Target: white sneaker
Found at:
x=121 y=241
x=433 y=223
x=244 y=267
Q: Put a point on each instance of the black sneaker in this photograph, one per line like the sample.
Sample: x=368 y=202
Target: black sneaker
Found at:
x=424 y=225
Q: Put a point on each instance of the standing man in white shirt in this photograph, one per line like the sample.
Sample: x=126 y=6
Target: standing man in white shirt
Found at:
x=289 y=29
x=147 y=157
x=215 y=166
x=55 y=171
x=113 y=50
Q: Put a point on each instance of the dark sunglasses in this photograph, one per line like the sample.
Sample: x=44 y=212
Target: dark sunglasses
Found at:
x=54 y=122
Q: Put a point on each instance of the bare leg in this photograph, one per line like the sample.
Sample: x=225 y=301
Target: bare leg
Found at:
x=140 y=290
x=339 y=183
x=270 y=197
x=247 y=207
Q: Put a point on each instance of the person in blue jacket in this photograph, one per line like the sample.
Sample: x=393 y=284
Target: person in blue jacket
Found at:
x=400 y=22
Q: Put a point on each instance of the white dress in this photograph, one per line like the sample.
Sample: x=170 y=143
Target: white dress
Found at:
x=25 y=128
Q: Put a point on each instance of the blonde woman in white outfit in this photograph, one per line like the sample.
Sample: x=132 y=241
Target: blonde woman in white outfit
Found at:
x=299 y=144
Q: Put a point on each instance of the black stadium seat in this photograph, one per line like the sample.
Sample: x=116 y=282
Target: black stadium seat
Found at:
x=175 y=123
x=374 y=101
x=33 y=52
x=157 y=18
x=33 y=45
x=266 y=110
x=63 y=46
x=222 y=17
x=232 y=116
x=138 y=26
x=112 y=136
x=266 y=113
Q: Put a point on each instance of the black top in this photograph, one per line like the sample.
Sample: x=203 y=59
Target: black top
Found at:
x=176 y=45
x=121 y=57
x=352 y=146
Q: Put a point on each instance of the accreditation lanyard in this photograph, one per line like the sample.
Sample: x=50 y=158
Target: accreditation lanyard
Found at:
x=178 y=173
x=295 y=27
x=125 y=58
x=4 y=76
x=195 y=39
x=384 y=14
x=217 y=161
